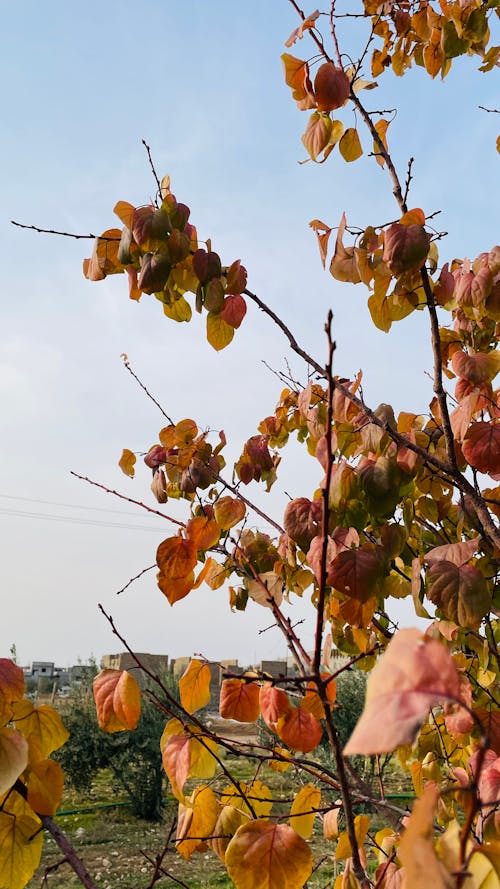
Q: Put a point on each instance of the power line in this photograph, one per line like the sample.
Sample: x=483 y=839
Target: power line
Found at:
x=67 y=505
x=74 y=520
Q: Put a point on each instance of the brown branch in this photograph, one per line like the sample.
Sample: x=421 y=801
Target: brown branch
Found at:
x=52 y=231
x=136 y=577
x=150 y=509
x=68 y=851
x=145 y=389
x=151 y=164
x=326 y=506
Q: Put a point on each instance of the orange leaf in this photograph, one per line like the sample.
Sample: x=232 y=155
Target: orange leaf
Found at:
x=127 y=462
x=262 y=855
x=176 y=762
x=117 y=700
x=194 y=686
x=203 y=531
x=11 y=688
x=225 y=828
x=125 y=212
x=13 y=757
x=413 y=217
x=414 y=675
x=274 y=704
x=239 y=700
x=228 y=512
x=481 y=447
x=176 y=557
x=176 y=589
x=381 y=127
x=331 y=824
x=298 y=33
x=343 y=266
x=299 y=730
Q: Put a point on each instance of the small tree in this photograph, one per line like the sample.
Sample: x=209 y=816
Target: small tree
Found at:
x=403 y=510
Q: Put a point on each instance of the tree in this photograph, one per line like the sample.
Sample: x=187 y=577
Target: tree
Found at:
x=405 y=509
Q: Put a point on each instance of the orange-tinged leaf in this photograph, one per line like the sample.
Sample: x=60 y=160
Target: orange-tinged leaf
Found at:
x=298 y=33
x=234 y=309
x=414 y=675
x=11 y=688
x=104 y=260
x=350 y=146
x=44 y=723
x=312 y=701
x=262 y=855
x=176 y=760
x=228 y=511
x=127 y=462
x=21 y=842
x=479 y=367
x=343 y=266
x=13 y=757
x=458 y=553
x=274 y=704
x=381 y=127
x=460 y=593
x=416 y=849
x=266 y=588
x=280 y=764
x=125 y=212
x=331 y=824
x=323 y=233
x=225 y=828
x=302 y=812
x=299 y=730
x=45 y=786
x=413 y=217
x=194 y=686
x=219 y=332
x=176 y=557
x=203 y=531
x=176 y=588
x=481 y=447
x=117 y=700
x=239 y=700
x=205 y=811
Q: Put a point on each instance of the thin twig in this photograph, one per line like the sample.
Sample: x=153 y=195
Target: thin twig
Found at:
x=151 y=164
x=150 y=509
x=53 y=231
x=137 y=576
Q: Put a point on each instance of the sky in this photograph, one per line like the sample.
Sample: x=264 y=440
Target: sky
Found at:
x=202 y=84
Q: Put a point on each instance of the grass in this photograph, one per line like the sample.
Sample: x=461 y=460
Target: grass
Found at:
x=115 y=846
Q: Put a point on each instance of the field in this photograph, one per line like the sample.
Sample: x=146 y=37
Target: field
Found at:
x=120 y=850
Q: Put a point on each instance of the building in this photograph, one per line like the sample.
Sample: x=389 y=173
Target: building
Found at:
x=155 y=663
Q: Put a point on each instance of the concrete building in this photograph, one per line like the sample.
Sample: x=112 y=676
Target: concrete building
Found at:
x=156 y=663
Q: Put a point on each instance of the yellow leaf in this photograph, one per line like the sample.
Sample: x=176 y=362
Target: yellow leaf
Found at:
x=43 y=722
x=21 y=843
x=127 y=462
x=117 y=700
x=381 y=128
x=45 y=786
x=194 y=686
x=361 y=825
x=197 y=818
x=13 y=757
x=302 y=813
x=262 y=855
x=219 y=332
x=256 y=792
x=416 y=849
x=225 y=828
x=350 y=146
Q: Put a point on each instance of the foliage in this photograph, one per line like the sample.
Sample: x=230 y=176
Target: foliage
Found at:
x=133 y=757
x=403 y=511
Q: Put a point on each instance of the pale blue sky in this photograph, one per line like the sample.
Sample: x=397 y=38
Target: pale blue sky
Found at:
x=202 y=83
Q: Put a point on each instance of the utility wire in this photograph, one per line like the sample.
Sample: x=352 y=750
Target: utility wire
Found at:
x=74 y=520
x=67 y=505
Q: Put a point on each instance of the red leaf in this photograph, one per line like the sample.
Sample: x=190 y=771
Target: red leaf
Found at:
x=481 y=447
